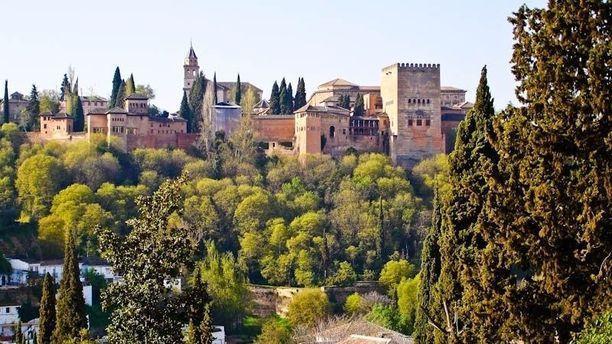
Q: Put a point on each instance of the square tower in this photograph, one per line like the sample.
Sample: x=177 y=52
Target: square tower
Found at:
x=411 y=99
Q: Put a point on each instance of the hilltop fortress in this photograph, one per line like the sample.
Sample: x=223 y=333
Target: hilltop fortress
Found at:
x=410 y=116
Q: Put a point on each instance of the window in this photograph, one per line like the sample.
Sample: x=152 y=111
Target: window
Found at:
x=332 y=131
x=409 y=122
x=8 y=310
x=419 y=122
x=427 y=122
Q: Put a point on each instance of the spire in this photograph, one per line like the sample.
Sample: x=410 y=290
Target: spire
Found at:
x=192 y=54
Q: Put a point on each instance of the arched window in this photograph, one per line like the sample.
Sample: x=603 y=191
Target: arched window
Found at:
x=332 y=132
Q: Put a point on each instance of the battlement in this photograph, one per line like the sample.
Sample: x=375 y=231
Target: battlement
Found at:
x=414 y=66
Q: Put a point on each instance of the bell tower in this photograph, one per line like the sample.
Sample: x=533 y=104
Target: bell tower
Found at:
x=191 y=70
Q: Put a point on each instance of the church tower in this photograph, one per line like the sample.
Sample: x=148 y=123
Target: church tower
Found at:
x=191 y=70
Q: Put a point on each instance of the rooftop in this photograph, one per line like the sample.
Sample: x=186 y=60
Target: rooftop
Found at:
x=324 y=108
x=136 y=96
x=451 y=89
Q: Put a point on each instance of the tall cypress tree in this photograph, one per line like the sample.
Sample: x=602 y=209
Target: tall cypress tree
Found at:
x=238 y=94
x=65 y=87
x=215 y=100
x=47 y=311
x=6 y=116
x=120 y=98
x=289 y=100
x=275 y=100
x=549 y=200
x=117 y=81
x=196 y=99
x=130 y=86
x=358 y=109
x=71 y=316
x=300 y=94
x=79 y=116
x=206 y=328
x=185 y=111
x=33 y=109
x=19 y=338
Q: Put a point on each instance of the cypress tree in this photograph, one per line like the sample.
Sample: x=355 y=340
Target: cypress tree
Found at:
x=130 y=86
x=70 y=303
x=215 y=100
x=79 y=115
x=358 y=109
x=6 y=116
x=283 y=101
x=120 y=98
x=75 y=89
x=117 y=81
x=33 y=109
x=289 y=100
x=275 y=100
x=196 y=98
x=300 y=94
x=549 y=200
x=47 y=310
x=282 y=87
x=185 y=111
x=206 y=328
x=65 y=88
x=238 y=94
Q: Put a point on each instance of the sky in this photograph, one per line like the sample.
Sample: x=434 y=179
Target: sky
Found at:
x=263 y=40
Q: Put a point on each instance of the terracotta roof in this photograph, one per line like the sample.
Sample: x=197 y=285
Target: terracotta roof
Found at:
x=117 y=110
x=324 y=108
x=358 y=329
x=451 y=89
x=337 y=82
x=94 y=98
x=137 y=96
x=357 y=339
x=98 y=111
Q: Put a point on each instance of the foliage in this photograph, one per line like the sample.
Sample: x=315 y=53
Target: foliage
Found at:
x=407 y=302
x=6 y=115
x=116 y=84
x=300 y=94
x=275 y=101
x=143 y=306
x=307 y=307
x=598 y=331
x=358 y=108
x=47 y=316
x=71 y=316
x=238 y=92
x=394 y=272
x=274 y=331
x=38 y=178
x=355 y=304
x=145 y=90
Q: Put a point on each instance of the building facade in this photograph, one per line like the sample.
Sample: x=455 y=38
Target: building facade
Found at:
x=17 y=102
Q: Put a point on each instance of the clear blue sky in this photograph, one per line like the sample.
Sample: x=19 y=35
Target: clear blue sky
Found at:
x=262 y=40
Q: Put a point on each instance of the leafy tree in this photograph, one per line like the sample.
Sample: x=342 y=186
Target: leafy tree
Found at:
x=248 y=103
x=185 y=110
x=117 y=81
x=238 y=94
x=548 y=205
x=47 y=311
x=38 y=178
x=49 y=101
x=358 y=109
x=120 y=98
x=345 y=275
x=130 y=86
x=65 y=88
x=33 y=109
x=196 y=98
x=393 y=272
x=307 y=307
x=275 y=102
x=6 y=115
x=143 y=307
x=226 y=282
x=355 y=304
x=206 y=328
x=598 y=331
x=71 y=316
x=407 y=301
x=274 y=331
x=145 y=90
x=300 y=94
x=79 y=116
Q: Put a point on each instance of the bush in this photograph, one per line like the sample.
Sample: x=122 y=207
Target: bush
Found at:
x=355 y=304
x=274 y=330
x=307 y=307
x=393 y=272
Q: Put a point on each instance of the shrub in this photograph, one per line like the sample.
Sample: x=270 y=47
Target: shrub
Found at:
x=308 y=306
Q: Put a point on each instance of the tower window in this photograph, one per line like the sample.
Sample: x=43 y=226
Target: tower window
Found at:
x=409 y=122
x=419 y=122
x=427 y=122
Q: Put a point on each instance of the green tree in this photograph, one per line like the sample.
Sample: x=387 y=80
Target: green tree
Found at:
x=238 y=94
x=215 y=100
x=358 y=109
x=185 y=110
x=71 y=315
x=47 y=316
x=79 y=116
x=49 y=101
x=117 y=81
x=300 y=94
x=39 y=177
x=407 y=302
x=146 y=90
x=274 y=331
x=196 y=100
x=65 y=88
x=120 y=98
x=307 y=307
x=286 y=98
x=393 y=272
x=143 y=307
x=33 y=109
x=19 y=338
x=6 y=115
x=548 y=204
x=206 y=328
x=275 y=103
x=355 y=304
x=598 y=331
x=130 y=86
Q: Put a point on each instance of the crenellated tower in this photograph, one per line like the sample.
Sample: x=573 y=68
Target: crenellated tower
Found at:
x=191 y=70
x=411 y=99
